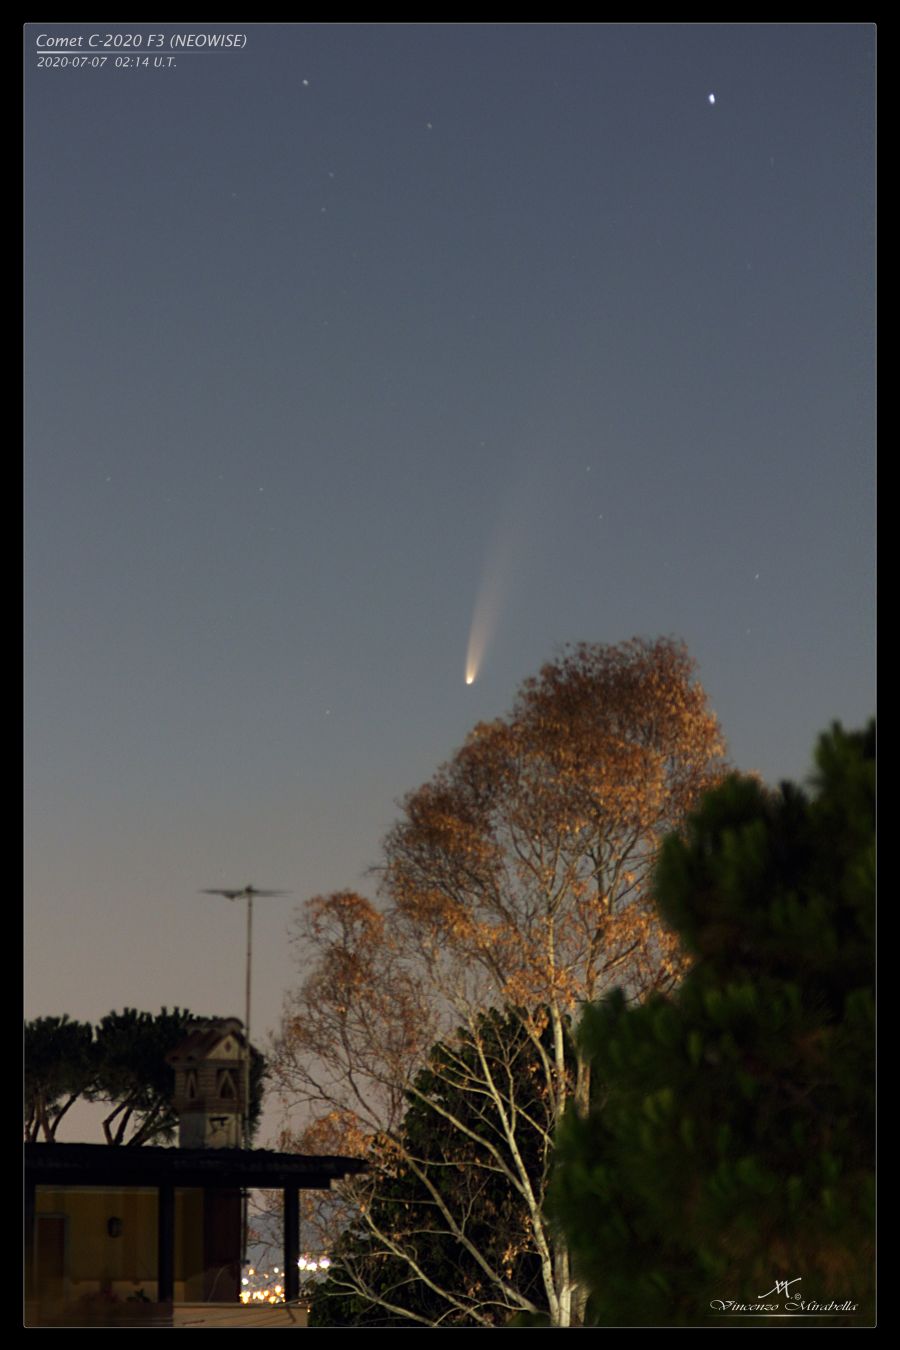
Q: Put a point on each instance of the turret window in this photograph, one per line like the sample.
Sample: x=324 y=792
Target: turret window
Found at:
x=225 y=1085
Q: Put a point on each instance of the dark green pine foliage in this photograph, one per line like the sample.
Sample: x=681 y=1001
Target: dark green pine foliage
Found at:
x=60 y=1067
x=480 y=1198
x=730 y=1140
x=134 y=1075
x=121 y=1062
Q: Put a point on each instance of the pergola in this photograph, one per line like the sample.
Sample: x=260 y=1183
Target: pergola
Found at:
x=165 y=1169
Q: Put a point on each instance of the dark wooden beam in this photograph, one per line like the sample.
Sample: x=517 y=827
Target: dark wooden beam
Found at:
x=29 y=1238
x=61 y=1165
x=291 y=1243
x=165 y=1244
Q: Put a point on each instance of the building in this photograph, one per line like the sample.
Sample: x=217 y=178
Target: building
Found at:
x=142 y=1236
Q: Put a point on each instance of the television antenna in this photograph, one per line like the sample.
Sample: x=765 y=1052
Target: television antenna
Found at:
x=248 y=893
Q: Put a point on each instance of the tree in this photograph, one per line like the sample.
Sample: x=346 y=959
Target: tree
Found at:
x=518 y=879
x=134 y=1075
x=729 y=1143
x=450 y=1167
x=123 y=1063
x=60 y=1067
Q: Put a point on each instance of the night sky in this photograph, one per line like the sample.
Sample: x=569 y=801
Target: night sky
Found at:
x=329 y=335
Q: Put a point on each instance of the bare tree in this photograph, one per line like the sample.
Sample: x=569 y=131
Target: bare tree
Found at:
x=517 y=879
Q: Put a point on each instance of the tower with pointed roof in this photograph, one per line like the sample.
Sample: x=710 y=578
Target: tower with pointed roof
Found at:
x=209 y=1085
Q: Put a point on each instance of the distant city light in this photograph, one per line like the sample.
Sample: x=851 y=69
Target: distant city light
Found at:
x=262 y=1287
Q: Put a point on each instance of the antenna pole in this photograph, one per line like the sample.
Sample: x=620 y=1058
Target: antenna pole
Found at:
x=247 y=1019
x=248 y=892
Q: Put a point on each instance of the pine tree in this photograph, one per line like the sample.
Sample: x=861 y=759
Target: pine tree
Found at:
x=729 y=1142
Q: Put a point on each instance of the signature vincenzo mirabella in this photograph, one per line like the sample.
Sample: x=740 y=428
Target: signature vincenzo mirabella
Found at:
x=794 y=1305
x=781 y=1287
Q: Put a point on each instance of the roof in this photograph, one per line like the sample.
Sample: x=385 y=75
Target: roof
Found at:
x=203 y=1038
x=123 y=1165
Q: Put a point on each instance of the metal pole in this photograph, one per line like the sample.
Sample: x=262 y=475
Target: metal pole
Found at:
x=247 y=1021
x=245 y=1204
x=248 y=892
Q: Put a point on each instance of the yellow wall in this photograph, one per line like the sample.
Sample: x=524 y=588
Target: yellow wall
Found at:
x=128 y=1262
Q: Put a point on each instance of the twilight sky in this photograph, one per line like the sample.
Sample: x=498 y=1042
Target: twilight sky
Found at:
x=326 y=333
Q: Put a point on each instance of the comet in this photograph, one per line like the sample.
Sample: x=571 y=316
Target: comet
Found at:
x=507 y=550
x=498 y=569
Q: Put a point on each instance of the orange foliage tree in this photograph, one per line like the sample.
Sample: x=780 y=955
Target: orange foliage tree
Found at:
x=518 y=878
